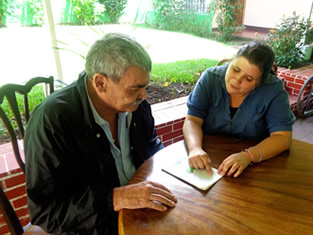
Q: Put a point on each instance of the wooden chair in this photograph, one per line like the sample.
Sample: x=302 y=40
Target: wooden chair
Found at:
x=223 y=61
x=12 y=220
x=9 y=92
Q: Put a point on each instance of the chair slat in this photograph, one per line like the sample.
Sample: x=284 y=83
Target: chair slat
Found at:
x=9 y=92
x=10 y=215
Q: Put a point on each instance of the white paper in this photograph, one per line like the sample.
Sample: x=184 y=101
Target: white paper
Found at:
x=198 y=178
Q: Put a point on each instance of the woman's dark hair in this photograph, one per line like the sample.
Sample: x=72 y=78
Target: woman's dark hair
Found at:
x=259 y=54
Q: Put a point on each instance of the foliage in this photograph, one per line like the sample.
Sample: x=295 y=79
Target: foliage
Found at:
x=36 y=9
x=84 y=11
x=226 y=18
x=114 y=8
x=286 y=41
x=6 y=9
x=180 y=71
x=35 y=97
x=181 y=16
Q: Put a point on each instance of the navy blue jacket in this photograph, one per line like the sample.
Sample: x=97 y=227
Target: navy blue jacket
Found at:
x=70 y=171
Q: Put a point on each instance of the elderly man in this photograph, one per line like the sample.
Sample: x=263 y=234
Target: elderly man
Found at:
x=84 y=143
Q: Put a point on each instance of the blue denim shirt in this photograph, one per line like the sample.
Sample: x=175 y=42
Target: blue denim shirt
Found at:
x=263 y=111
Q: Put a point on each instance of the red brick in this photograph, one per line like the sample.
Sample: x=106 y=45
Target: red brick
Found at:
x=18 y=203
x=4 y=230
x=294 y=85
x=3 y=174
x=2 y=220
x=178 y=139
x=289 y=90
x=25 y=221
x=21 y=212
x=16 y=192
x=282 y=76
x=164 y=130
x=172 y=135
x=178 y=125
x=299 y=81
x=296 y=92
x=14 y=181
x=167 y=143
x=289 y=79
x=159 y=126
x=15 y=171
x=169 y=123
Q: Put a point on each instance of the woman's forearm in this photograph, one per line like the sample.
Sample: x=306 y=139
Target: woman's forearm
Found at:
x=271 y=146
x=193 y=133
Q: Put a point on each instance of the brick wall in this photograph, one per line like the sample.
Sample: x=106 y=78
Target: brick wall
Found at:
x=292 y=83
x=170 y=132
x=13 y=183
x=293 y=80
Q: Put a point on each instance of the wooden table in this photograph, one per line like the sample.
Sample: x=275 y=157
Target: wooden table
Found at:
x=272 y=197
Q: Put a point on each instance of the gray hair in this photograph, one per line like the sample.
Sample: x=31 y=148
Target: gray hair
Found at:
x=113 y=54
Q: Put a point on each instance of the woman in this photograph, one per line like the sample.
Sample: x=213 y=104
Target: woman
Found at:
x=243 y=100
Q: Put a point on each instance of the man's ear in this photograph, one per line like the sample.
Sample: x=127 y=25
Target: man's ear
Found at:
x=100 y=82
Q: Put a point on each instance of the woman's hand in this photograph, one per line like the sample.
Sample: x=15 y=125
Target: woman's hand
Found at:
x=234 y=164
x=199 y=159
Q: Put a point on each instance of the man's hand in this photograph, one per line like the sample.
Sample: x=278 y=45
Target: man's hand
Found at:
x=145 y=194
x=199 y=159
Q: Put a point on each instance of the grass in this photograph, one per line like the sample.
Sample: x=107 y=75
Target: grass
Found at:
x=187 y=71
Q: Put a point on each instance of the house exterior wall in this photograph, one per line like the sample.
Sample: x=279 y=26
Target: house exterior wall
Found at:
x=268 y=13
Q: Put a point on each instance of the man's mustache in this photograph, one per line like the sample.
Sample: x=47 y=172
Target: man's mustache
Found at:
x=137 y=102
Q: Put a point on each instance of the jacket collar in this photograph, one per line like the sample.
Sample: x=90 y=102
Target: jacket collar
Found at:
x=82 y=90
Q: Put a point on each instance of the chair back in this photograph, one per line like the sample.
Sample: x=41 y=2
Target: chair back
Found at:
x=13 y=221
x=223 y=61
x=9 y=92
x=9 y=214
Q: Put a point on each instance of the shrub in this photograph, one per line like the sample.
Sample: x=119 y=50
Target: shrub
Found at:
x=84 y=11
x=286 y=41
x=226 y=18
x=35 y=97
x=35 y=9
x=6 y=9
x=114 y=8
x=181 y=16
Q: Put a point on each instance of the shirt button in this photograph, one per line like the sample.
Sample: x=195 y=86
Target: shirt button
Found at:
x=98 y=135
x=131 y=148
x=134 y=123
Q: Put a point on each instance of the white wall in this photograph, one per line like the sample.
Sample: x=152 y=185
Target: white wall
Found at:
x=268 y=13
